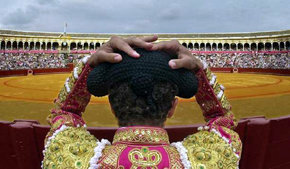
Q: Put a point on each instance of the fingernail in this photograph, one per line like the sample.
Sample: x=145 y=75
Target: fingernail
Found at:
x=117 y=58
x=172 y=64
x=136 y=54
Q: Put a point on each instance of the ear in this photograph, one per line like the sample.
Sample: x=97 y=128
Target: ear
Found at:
x=172 y=109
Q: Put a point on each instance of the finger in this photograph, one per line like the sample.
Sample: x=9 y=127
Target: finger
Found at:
x=149 y=38
x=160 y=46
x=107 y=57
x=172 y=46
x=138 y=42
x=183 y=50
x=184 y=62
x=125 y=47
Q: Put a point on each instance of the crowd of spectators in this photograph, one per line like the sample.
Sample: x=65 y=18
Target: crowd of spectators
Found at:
x=74 y=58
x=245 y=60
x=31 y=61
x=239 y=49
x=219 y=60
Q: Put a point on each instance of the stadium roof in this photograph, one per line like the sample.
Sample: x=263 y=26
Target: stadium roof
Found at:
x=160 y=35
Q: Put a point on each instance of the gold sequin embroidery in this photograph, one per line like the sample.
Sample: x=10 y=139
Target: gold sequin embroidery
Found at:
x=142 y=135
x=207 y=150
x=111 y=155
x=144 y=158
x=174 y=157
x=225 y=103
x=71 y=148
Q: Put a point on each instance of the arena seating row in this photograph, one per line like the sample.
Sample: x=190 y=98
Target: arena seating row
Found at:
x=239 y=51
x=92 y=51
x=30 y=51
x=266 y=143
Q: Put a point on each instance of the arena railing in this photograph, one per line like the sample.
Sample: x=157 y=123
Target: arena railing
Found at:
x=5 y=73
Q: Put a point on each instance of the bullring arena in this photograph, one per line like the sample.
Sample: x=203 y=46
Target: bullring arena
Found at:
x=31 y=97
x=256 y=92
x=253 y=67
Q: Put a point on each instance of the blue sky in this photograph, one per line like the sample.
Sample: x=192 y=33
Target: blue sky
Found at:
x=145 y=16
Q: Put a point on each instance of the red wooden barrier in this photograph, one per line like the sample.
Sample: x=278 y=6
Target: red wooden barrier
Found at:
x=24 y=144
x=255 y=144
x=277 y=154
x=266 y=143
x=7 y=153
x=4 y=73
x=226 y=70
x=256 y=70
x=253 y=70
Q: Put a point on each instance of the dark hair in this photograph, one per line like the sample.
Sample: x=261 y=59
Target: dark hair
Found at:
x=151 y=109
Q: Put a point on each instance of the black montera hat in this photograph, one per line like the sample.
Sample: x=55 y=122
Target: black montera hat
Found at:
x=141 y=74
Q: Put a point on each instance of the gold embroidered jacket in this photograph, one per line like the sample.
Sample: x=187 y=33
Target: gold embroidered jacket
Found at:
x=70 y=145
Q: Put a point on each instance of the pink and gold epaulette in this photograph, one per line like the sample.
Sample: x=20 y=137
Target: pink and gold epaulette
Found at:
x=72 y=99
x=210 y=95
x=74 y=96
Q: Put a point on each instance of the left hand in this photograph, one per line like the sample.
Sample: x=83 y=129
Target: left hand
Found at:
x=106 y=52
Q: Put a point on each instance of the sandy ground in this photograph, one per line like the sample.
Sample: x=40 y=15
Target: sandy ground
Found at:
x=31 y=97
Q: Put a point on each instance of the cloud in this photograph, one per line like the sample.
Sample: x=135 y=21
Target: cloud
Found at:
x=146 y=16
x=172 y=12
x=47 y=2
x=21 y=17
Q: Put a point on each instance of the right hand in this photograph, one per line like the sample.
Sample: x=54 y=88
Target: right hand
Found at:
x=185 y=58
x=106 y=52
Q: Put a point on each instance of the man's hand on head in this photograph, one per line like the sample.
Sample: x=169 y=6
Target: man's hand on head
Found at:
x=106 y=52
x=185 y=58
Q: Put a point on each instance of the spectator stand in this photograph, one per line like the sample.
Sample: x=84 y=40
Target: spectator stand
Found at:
x=17 y=62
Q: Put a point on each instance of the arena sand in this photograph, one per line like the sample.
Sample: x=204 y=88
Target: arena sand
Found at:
x=31 y=97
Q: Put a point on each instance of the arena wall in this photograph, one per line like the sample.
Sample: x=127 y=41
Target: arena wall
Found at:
x=5 y=73
x=265 y=142
x=252 y=70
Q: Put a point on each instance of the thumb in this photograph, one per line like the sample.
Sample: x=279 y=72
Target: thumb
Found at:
x=109 y=57
x=101 y=57
x=186 y=63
